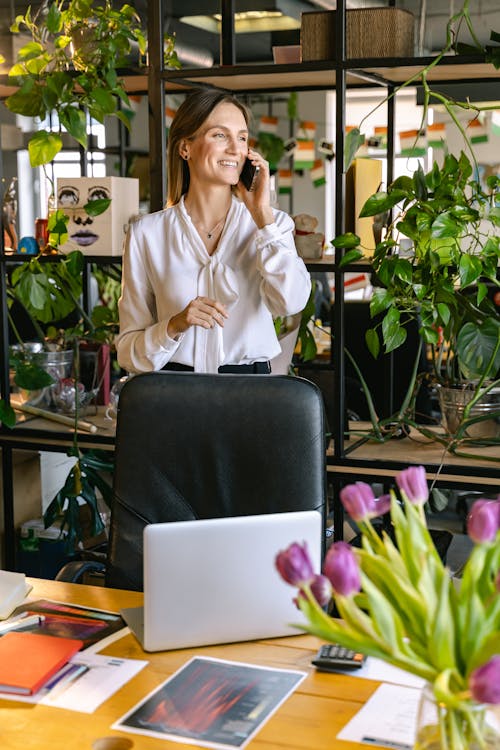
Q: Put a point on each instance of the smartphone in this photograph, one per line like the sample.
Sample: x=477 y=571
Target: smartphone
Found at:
x=249 y=174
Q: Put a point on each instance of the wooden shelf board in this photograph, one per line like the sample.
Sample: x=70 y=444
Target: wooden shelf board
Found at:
x=304 y=76
x=321 y=74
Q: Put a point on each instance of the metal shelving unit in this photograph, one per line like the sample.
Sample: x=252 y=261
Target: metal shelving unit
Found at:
x=347 y=462
x=339 y=75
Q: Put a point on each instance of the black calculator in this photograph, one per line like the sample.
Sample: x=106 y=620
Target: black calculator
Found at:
x=331 y=658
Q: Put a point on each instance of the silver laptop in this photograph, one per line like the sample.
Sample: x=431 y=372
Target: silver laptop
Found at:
x=215 y=581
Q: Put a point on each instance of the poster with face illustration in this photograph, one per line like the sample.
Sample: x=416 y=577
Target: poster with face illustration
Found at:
x=103 y=234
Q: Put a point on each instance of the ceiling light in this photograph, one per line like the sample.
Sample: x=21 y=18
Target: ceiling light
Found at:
x=246 y=22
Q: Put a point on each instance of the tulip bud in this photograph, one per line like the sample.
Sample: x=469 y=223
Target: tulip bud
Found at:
x=484 y=681
x=483 y=521
x=294 y=564
x=358 y=500
x=342 y=569
x=321 y=589
x=413 y=483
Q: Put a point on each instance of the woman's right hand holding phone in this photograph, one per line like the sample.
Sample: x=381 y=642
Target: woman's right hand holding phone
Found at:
x=257 y=200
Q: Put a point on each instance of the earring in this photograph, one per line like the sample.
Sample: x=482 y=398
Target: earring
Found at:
x=186 y=157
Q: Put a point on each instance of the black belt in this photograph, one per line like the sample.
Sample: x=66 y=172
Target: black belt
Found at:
x=260 y=368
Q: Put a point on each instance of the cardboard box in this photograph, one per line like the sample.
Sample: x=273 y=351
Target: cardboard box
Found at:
x=103 y=234
x=363 y=179
x=370 y=32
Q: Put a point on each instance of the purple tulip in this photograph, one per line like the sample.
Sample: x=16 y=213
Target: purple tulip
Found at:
x=413 y=483
x=321 y=589
x=484 y=681
x=342 y=569
x=382 y=504
x=358 y=500
x=294 y=564
x=483 y=521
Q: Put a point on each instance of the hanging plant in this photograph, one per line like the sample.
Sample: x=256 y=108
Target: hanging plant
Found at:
x=70 y=67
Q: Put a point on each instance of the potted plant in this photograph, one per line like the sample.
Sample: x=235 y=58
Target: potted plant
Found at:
x=71 y=67
x=452 y=221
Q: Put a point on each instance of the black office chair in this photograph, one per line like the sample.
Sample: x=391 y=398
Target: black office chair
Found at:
x=204 y=446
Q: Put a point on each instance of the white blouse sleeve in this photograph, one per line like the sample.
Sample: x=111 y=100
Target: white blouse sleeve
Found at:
x=286 y=283
x=143 y=343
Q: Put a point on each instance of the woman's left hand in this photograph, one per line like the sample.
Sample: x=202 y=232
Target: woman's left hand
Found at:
x=258 y=200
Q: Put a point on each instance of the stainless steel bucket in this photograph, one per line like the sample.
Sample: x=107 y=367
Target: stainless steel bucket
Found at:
x=59 y=365
x=453 y=402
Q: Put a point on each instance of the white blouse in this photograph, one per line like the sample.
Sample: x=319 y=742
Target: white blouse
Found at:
x=256 y=273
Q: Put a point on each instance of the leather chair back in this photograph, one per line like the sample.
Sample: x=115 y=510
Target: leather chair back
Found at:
x=194 y=445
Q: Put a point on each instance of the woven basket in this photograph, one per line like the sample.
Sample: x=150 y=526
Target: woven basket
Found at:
x=370 y=32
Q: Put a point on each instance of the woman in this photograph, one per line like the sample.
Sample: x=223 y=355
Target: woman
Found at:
x=203 y=278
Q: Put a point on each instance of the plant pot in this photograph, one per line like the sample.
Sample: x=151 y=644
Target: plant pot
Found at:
x=473 y=726
x=58 y=364
x=453 y=401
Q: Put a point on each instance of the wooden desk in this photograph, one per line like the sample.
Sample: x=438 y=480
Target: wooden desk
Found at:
x=309 y=720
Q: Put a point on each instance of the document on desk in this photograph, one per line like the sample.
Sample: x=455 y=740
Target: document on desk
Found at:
x=388 y=719
x=382 y=671
x=212 y=702
x=84 y=683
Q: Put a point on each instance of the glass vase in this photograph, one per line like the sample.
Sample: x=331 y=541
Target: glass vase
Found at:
x=474 y=726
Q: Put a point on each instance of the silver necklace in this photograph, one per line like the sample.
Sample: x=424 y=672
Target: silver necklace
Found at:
x=210 y=233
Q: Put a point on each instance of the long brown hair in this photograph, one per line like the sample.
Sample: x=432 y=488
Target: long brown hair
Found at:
x=190 y=116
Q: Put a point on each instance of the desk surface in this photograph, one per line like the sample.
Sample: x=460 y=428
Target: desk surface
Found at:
x=308 y=720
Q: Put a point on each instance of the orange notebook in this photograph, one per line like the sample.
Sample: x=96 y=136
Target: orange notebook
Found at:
x=28 y=660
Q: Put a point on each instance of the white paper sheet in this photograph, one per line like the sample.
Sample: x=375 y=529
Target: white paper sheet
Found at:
x=100 y=677
x=376 y=669
x=388 y=719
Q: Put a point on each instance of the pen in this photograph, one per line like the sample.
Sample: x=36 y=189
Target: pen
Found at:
x=67 y=680
x=386 y=743
x=23 y=621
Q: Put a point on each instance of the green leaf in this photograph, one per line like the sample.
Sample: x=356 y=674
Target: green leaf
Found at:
x=348 y=240
x=30 y=50
x=54 y=19
x=380 y=301
x=29 y=104
x=75 y=122
x=353 y=141
x=350 y=257
x=380 y=202
x=476 y=345
x=442 y=637
x=445 y=226
x=403 y=269
x=494 y=215
x=438 y=500
x=75 y=263
x=43 y=147
x=58 y=228
x=31 y=377
x=104 y=100
x=372 y=342
x=7 y=414
x=97 y=207
x=470 y=269
x=444 y=312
